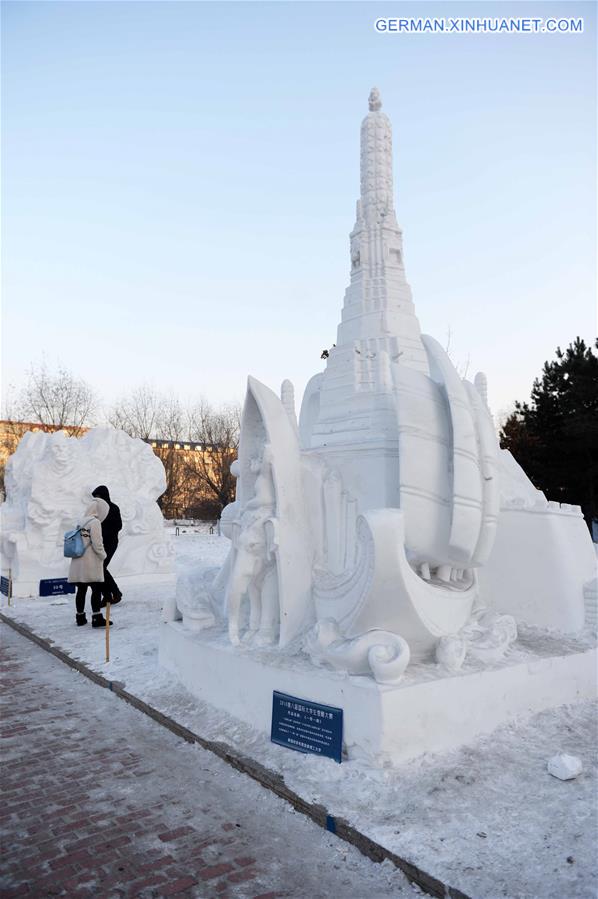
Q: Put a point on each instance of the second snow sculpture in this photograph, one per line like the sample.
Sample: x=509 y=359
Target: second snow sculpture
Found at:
x=49 y=480
x=388 y=525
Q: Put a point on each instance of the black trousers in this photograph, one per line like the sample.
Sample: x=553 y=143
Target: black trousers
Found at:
x=109 y=587
x=96 y=597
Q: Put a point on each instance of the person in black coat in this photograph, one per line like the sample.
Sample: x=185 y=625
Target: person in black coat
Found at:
x=111 y=526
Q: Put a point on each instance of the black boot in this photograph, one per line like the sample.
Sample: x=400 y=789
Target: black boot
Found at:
x=98 y=620
x=81 y=618
x=116 y=597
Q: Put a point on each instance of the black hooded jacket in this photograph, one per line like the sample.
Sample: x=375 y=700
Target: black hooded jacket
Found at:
x=112 y=524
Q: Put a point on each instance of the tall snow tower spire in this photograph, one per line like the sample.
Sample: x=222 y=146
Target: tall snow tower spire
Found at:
x=378 y=303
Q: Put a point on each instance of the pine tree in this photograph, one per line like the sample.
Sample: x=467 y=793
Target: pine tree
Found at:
x=554 y=437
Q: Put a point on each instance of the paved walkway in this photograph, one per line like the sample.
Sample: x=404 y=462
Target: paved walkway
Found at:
x=101 y=801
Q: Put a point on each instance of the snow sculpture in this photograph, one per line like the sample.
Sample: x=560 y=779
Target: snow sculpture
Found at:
x=49 y=480
x=388 y=526
x=381 y=510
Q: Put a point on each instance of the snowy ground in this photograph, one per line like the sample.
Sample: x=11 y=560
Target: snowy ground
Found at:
x=487 y=819
x=133 y=771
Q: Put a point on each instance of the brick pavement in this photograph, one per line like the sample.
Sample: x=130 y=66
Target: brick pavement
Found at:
x=100 y=801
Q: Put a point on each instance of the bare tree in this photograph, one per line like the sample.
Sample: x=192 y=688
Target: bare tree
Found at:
x=216 y=430
x=51 y=400
x=57 y=399
x=159 y=419
x=196 y=446
x=10 y=434
x=171 y=430
x=173 y=424
x=139 y=413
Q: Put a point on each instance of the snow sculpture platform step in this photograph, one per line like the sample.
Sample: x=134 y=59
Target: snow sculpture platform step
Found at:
x=427 y=712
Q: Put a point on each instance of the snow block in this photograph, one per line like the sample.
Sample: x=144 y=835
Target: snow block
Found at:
x=565 y=767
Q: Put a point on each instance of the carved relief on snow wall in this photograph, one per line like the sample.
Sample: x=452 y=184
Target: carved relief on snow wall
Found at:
x=49 y=480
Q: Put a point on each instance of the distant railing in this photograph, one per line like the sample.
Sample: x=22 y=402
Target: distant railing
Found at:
x=194 y=526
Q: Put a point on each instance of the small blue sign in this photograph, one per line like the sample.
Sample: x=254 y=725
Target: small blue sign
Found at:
x=307 y=726
x=4 y=585
x=57 y=586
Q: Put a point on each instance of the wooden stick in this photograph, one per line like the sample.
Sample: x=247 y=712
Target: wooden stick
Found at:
x=107 y=631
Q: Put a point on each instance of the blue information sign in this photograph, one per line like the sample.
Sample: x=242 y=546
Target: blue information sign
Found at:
x=57 y=586
x=4 y=585
x=307 y=726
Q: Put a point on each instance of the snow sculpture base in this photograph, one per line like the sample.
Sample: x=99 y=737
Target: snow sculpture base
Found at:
x=428 y=711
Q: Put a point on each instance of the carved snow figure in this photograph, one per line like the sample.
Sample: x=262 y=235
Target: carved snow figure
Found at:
x=377 y=653
x=192 y=601
x=269 y=565
x=486 y=637
x=387 y=525
x=254 y=563
x=49 y=480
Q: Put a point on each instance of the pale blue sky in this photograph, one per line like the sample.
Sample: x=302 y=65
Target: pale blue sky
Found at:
x=180 y=180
